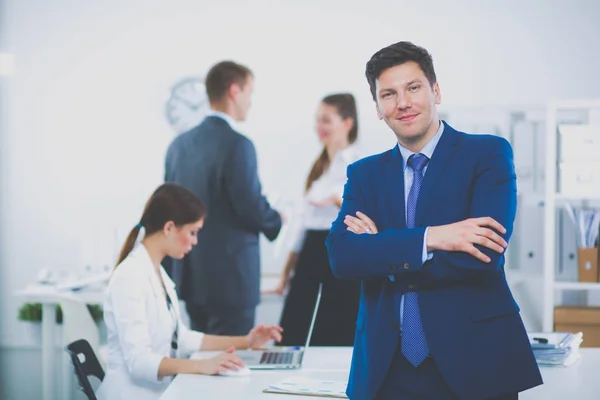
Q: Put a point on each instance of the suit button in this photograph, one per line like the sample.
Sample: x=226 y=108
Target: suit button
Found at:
x=406 y=265
x=411 y=286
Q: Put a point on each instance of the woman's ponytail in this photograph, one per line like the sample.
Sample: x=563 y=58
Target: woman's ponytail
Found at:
x=129 y=243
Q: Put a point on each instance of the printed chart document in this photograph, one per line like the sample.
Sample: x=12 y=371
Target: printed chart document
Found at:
x=310 y=387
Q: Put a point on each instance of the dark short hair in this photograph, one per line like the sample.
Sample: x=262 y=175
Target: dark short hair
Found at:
x=397 y=54
x=221 y=76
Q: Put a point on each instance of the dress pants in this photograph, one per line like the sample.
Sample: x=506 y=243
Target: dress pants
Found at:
x=335 y=323
x=425 y=382
x=230 y=322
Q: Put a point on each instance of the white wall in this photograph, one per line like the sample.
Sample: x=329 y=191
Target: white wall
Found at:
x=84 y=136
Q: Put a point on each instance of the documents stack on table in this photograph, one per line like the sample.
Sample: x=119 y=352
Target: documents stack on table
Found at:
x=310 y=387
x=556 y=349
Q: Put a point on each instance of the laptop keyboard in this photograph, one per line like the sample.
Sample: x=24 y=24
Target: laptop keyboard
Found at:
x=276 y=357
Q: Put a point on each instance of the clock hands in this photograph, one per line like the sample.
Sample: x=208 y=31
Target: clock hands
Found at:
x=188 y=103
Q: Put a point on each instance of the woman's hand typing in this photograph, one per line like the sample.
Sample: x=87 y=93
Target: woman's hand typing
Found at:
x=261 y=334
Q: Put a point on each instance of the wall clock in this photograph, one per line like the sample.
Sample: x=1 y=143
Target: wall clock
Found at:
x=187 y=104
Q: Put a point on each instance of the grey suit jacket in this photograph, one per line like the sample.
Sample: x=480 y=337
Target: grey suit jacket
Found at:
x=219 y=165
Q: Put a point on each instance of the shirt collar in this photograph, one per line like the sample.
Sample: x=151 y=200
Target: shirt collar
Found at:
x=427 y=150
x=141 y=252
x=224 y=116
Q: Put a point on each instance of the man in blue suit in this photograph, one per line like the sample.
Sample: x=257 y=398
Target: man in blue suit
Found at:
x=424 y=226
x=220 y=278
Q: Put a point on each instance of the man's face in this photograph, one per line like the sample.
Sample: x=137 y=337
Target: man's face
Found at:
x=243 y=99
x=407 y=102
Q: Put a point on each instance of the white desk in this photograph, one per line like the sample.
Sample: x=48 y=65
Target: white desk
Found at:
x=578 y=382
x=48 y=296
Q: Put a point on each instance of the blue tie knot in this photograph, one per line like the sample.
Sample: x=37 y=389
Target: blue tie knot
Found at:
x=417 y=162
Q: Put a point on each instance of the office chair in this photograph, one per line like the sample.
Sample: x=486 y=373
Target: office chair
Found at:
x=78 y=324
x=83 y=369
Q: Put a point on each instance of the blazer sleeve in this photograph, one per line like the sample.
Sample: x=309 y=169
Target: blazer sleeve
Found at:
x=189 y=340
x=352 y=256
x=494 y=195
x=244 y=190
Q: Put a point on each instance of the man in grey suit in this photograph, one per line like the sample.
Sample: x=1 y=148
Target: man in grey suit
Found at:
x=220 y=278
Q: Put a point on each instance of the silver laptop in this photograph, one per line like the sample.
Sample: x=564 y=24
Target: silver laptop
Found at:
x=280 y=357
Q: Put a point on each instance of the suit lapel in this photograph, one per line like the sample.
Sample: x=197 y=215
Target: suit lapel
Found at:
x=442 y=155
x=394 y=186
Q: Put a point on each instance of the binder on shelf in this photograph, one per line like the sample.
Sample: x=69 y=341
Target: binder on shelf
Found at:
x=587 y=261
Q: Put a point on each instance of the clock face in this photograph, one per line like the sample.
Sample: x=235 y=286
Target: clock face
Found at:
x=188 y=104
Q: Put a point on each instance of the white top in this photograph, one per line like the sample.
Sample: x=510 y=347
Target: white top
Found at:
x=140 y=328
x=330 y=183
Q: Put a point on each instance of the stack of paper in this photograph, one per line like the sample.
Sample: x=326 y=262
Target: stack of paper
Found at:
x=557 y=349
x=310 y=387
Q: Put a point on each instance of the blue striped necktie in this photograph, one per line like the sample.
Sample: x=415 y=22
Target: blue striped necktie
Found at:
x=414 y=343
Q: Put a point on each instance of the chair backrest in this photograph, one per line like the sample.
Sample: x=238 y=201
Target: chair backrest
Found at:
x=86 y=367
x=78 y=322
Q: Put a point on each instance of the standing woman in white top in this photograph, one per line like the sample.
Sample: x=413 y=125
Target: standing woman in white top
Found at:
x=146 y=337
x=337 y=129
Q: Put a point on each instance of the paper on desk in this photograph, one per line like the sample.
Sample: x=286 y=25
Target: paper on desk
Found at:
x=310 y=387
x=556 y=340
x=558 y=361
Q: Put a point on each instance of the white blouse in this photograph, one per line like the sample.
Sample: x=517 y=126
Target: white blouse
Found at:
x=140 y=327
x=330 y=183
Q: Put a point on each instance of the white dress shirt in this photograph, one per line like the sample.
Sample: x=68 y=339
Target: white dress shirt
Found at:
x=408 y=180
x=330 y=183
x=140 y=328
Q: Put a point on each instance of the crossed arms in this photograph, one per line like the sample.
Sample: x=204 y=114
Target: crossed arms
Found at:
x=461 y=251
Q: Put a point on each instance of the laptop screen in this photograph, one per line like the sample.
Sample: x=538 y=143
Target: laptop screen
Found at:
x=314 y=316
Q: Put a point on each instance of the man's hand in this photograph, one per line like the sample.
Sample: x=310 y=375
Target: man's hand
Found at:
x=464 y=235
x=282 y=216
x=279 y=289
x=362 y=224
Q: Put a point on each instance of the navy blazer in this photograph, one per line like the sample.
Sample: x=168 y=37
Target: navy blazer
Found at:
x=471 y=321
x=219 y=165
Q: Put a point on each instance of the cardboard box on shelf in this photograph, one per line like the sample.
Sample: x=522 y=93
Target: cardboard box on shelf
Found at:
x=579 y=319
x=587 y=261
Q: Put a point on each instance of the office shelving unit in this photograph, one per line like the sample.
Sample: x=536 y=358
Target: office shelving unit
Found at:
x=554 y=200
x=524 y=127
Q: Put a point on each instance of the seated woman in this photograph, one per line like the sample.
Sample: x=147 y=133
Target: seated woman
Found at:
x=146 y=338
